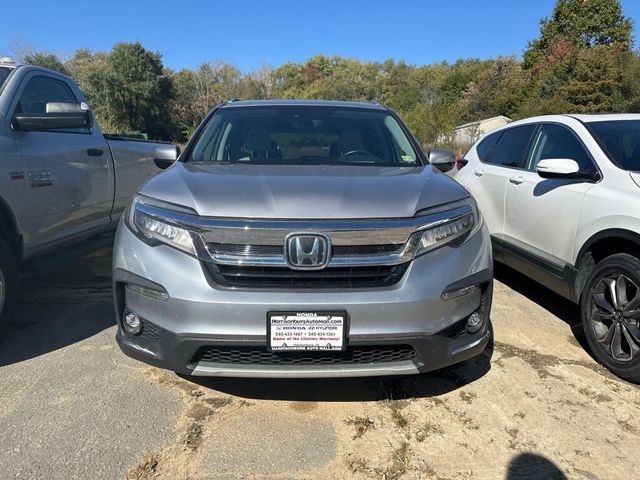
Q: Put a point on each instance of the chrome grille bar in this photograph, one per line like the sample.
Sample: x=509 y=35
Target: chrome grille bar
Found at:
x=403 y=255
x=264 y=235
x=273 y=232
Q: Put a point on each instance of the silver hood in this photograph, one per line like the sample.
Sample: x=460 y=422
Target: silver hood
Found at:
x=303 y=192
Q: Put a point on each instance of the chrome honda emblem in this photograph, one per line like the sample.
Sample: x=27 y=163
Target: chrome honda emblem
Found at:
x=307 y=251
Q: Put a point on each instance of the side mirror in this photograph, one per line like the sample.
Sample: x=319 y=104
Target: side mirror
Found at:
x=165 y=156
x=558 y=168
x=58 y=115
x=443 y=160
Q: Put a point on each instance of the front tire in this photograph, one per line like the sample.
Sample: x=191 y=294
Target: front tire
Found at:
x=8 y=287
x=610 y=306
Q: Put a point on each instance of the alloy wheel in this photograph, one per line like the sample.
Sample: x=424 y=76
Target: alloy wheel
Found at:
x=615 y=316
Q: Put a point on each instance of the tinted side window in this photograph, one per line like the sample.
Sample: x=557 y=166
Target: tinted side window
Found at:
x=512 y=147
x=40 y=90
x=554 y=141
x=620 y=139
x=485 y=149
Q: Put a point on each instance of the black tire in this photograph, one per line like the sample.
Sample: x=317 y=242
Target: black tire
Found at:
x=611 y=317
x=9 y=288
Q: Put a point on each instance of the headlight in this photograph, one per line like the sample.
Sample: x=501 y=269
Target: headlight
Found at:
x=459 y=227
x=154 y=229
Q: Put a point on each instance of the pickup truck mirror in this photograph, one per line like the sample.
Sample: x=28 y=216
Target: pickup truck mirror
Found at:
x=558 y=168
x=443 y=160
x=166 y=155
x=57 y=115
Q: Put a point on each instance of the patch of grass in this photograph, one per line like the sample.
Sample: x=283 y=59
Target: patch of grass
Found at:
x=399 y=419
x=401 y=458
x=519 y=415
x=428 y=429
x=427 y=471
x=217 y=402
x=517 y=443
x=193 y=438
x=361 y=424
x=357 y=465
x=147 y=468
x=467 y=397
x=572 y=403
x=627 y=427
x=513 y=442
x=199 y=412
x=467 y=422
x=593 y=395
x=396 y=415
x=196 y=394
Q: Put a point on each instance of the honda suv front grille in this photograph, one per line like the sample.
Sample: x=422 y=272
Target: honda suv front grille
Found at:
x=266 y=250
x=284 y=277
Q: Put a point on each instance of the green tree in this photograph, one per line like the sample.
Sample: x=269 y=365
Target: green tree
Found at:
x=584 y=23
x=196 y=92
x=134 y=90
x=596 y=79
x=498 y=89
x=627 y=95
x=46 y=60
x=89 y=71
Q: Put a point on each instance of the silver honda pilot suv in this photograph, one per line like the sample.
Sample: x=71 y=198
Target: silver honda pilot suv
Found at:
x=302 y=239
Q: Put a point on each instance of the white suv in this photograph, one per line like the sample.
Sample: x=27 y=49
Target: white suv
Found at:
x=561 y=197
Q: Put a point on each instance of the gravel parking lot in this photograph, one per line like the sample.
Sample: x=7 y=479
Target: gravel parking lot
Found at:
x=535 y=405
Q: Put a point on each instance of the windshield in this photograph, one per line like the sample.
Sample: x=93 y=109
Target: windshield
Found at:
x=4 y=73
x=304 y=135
x=620 y=140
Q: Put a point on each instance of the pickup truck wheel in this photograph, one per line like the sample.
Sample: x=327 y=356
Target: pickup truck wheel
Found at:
x=8 y=287
x=610 y=308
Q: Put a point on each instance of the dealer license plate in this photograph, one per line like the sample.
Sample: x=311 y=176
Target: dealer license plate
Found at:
x=294 y=331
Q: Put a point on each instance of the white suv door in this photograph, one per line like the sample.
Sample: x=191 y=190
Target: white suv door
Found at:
x=541 y=215
x=501 y=155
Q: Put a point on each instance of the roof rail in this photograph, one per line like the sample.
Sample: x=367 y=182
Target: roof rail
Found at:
x=233 y=100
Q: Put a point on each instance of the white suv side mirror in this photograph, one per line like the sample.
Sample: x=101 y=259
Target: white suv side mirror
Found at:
x=557 y=168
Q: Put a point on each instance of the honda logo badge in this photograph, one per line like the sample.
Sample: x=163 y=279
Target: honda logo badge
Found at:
x=307 y=251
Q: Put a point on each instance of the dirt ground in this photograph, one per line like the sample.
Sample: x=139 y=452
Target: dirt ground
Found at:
x=535 y=405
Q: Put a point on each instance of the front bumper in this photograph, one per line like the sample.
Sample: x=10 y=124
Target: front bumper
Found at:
x=199 y=315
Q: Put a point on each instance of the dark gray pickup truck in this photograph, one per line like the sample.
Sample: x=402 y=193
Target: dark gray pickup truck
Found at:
x=61 y=180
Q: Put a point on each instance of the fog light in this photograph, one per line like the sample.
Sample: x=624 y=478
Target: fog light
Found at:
x=474 y=323
x=132 y=323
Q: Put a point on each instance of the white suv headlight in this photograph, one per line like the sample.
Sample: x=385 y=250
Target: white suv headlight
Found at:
x=154 y=229
x=462 y=225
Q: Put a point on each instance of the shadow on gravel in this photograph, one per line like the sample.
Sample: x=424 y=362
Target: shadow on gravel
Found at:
x=555 y=304
x=354 y=389
x=532 y=466
x=60 y=307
